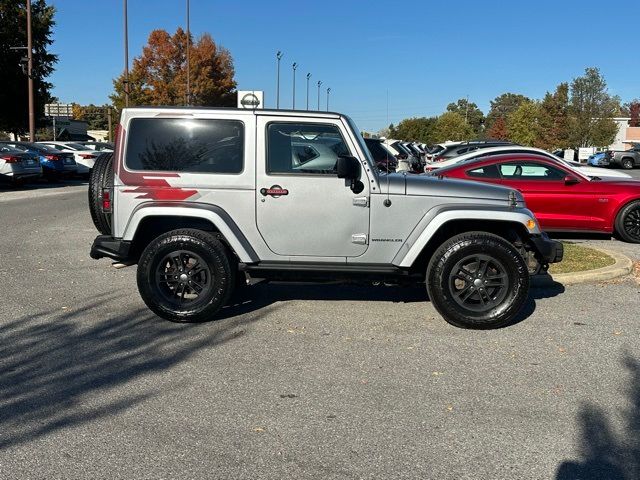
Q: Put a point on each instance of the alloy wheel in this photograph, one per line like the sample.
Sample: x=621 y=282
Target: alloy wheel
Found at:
x=478 y=282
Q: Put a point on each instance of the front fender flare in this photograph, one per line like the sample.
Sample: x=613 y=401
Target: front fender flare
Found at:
x=434 y=220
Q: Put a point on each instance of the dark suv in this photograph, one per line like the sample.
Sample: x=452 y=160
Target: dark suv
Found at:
x=466 y=147
x=385 y=161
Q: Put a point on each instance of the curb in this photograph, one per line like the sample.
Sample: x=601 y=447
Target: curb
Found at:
x=623 y=266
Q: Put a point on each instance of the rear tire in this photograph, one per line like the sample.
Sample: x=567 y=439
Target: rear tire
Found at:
x=478 y=280
x=186 y=275
x=628 y=222
x=101 y=177
x=627 y=163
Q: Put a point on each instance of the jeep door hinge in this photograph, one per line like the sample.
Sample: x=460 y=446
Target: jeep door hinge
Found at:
x=361 y=201
x=359 y=238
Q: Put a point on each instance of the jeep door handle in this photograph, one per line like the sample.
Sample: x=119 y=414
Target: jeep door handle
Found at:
x=275 y=191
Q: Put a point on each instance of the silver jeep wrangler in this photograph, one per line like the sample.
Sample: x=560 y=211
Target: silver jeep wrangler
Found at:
x=203 y=198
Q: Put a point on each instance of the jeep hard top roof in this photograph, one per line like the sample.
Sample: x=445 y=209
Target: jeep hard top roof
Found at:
x=245 y=111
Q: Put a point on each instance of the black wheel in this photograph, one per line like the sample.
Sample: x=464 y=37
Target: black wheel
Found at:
x=478 y=280
x=628 y=222
x=186 y=275
x=627 y=163
x=101 y=177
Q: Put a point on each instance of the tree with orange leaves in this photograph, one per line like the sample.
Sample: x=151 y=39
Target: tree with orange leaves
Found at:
x=159 y=74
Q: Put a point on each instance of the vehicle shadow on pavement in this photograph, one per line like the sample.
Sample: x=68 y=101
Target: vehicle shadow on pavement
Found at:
x=58 y=371
x=255 y=297
x=605 y=453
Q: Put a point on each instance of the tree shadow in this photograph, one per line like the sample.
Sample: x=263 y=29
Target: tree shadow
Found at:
x=605 y=454
x=58 y=370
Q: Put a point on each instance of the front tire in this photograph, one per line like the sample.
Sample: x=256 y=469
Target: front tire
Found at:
x=186 y=275
x=478 y=280
x=628 y=222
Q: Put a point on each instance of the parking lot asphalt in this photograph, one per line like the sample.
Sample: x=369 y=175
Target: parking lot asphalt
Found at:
x=298 y=381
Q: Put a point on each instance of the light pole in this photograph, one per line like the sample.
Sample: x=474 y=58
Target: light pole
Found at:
x=319 y=84
x=32 y=117
x=294 y=66
x=126 y=57
x=188 y=99
x=328 y=92
x=278 y=56
x=308 y=77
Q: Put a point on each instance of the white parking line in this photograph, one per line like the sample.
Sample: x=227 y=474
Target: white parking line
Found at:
x=8 y=196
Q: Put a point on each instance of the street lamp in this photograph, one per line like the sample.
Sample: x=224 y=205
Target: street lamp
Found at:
x=308 y=77
x=188 y=99
x=126 y=57
x=294 y=66
x=32 y=117
x=278 y=56
x=319 y=83
x=328 y=92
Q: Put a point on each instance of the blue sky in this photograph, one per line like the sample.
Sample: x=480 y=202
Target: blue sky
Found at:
x=425 y=54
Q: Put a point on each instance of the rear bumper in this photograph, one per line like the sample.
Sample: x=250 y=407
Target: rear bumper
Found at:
x=551 y=251
x=107 y=246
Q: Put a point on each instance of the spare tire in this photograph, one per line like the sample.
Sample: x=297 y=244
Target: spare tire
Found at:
x=101 y=177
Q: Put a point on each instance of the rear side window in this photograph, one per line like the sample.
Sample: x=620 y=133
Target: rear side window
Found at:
x=185 y=145
x=488 y=171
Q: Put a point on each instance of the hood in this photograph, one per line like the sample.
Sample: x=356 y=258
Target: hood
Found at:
x=630 y=184
x=428 y=185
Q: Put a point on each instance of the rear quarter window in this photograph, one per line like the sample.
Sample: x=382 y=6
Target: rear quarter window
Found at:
x=185 y=145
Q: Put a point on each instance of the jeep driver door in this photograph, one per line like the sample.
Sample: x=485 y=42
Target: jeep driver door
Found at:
x=302 y=207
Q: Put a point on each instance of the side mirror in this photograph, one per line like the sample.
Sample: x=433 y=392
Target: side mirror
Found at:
x=348 y=167
x=571 y=180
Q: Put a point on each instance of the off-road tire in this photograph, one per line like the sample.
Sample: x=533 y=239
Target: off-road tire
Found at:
x=627 y=222
x=211 y=251
x=627 y=163
x=508 y=299
x=101 y=177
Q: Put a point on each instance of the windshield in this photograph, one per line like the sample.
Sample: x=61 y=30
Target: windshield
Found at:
x=360 y=140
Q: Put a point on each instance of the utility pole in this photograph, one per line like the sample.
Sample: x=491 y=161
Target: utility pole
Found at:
x=32 y=117
x=319 y=84
x=294 y=66
x=188 y=99
x=108 y=121
x=308 y=77
x=466 y=111
x=328 y=92
x=278 y=56
x=126 y=56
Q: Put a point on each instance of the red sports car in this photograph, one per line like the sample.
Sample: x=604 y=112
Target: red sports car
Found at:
x=562 y=199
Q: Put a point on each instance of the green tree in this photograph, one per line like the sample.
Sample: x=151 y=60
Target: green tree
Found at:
x=522 y=124
x=554 y=121
x=451 y=126
x=502 y=106
x=415 y=129
x=158 y=76
x=14 y=115
x=470 y=112
x=592 y=110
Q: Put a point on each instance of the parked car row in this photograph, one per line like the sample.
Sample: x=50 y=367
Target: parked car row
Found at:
x=51 y=160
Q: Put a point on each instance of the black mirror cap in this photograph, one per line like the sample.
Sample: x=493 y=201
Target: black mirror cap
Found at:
x=348 y=167
x=571 y=180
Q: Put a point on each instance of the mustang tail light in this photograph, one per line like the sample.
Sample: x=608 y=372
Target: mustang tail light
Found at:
x=53 y=158
x=10 y=158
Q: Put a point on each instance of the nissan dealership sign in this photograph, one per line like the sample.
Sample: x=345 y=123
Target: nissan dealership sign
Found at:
x=250 y=99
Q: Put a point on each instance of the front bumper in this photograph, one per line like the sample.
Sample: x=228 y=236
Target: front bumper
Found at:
x=107 y=246
x=550 y=251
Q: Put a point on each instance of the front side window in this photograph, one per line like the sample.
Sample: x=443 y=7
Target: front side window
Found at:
x=529 y=171
x=185 y=145
x=299 y=148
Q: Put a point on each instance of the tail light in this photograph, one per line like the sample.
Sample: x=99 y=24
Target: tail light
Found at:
x=438 y=159
x=10 y=158
x=106 y=200
x=53 y=158
x=87 y=156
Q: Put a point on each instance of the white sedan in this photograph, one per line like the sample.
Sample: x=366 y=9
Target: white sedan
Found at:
x=84 y=157
x=580 y=167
